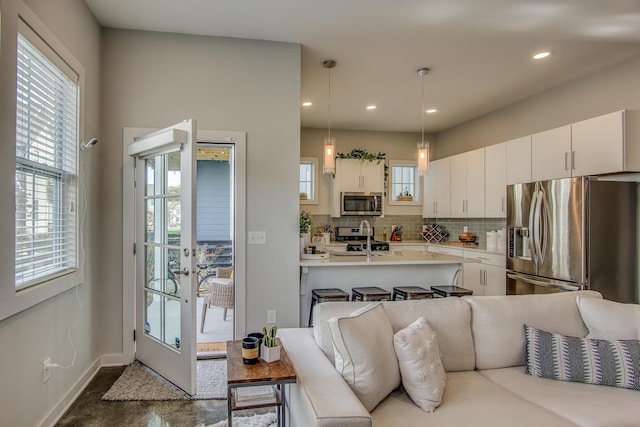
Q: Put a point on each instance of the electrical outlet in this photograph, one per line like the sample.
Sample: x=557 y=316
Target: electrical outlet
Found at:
x=271 y=316
x=46 y=370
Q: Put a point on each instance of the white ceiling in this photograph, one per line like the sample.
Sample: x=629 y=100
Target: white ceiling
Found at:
x=478 y=50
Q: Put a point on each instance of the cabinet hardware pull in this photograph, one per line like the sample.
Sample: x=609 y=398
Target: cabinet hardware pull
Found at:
x=573 y=160
x=481 y=277
x=566 y=161
x=502 y=204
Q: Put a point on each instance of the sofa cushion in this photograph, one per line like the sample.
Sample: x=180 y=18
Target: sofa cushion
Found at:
x=497 y=323
x=470 y=400
x=364 y=354
x=450 y=318
x=583 y=404
x=421 y=369
x=608 y=320
x=602 y=362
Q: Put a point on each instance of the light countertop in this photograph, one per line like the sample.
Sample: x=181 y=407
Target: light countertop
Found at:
x=380 y=258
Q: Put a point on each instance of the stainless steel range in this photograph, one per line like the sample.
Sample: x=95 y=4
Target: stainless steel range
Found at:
x=358 y=242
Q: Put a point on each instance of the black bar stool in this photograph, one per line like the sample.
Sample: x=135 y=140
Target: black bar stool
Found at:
x=322 y=295
x=370 y=293
x=411 y=292
x=450 y=291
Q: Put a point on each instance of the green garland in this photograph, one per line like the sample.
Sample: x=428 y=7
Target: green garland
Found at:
x=361 y=154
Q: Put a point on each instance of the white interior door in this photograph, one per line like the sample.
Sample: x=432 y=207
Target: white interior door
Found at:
x=165 y=171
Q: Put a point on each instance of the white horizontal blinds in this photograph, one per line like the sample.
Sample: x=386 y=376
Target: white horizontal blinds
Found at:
x=46 y=168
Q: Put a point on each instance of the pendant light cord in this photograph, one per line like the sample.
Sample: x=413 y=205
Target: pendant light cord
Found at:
x=329 y=103
x=422 y=105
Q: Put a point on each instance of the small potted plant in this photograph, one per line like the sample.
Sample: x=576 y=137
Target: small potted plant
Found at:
x=270 y=350
x=405 y=196
x=305 y=226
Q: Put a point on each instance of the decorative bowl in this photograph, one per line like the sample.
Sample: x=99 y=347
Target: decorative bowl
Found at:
x=467 y=238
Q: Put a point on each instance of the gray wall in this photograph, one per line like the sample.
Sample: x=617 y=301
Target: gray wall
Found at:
x=32 y=335
x=611 y=89
x=213 y=201
x=157 y=79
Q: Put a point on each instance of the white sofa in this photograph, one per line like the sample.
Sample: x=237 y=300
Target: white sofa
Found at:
x=483 y=352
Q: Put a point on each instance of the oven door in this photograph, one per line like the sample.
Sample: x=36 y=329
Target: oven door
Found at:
x=523 y=284
x=361 y=204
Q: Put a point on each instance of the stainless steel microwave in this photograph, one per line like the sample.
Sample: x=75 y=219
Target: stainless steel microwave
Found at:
x=361 y=204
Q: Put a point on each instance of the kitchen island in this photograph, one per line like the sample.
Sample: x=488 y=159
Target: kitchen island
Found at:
x=385 y=270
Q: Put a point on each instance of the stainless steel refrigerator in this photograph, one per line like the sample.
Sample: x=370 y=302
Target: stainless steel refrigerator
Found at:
x=573 y=233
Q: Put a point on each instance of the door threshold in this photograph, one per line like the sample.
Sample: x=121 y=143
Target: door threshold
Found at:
x=204 y=355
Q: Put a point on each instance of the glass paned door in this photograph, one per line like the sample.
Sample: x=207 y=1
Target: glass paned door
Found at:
x=165 y=248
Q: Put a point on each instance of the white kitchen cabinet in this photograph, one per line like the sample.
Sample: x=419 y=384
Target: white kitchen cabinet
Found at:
x=606 y=144
x=467 y=184
x=356 y=175
x=488 y=276
x=437 y=190
x=519 y=160
x=551 y=155
x=495 y=185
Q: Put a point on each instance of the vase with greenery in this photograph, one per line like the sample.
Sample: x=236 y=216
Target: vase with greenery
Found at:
x=305 y=226
x=270 y=351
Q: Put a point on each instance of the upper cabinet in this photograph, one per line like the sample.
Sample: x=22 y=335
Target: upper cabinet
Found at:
x=518 y=160
x=551 y=155
x=495 y=175
x=354 y=175
x=467 y=184
x=437 y=189
x=606 y=144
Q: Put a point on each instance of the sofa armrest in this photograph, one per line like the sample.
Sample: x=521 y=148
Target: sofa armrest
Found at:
x=320 y=397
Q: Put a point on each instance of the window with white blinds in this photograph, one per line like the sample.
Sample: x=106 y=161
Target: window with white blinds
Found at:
x=46 y=167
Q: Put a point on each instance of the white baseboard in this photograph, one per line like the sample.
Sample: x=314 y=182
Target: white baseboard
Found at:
x=70 y=396
x=115 y=359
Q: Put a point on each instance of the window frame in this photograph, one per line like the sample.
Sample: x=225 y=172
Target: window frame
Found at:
x=314 y=180
x=417 y=199
x=18 y=18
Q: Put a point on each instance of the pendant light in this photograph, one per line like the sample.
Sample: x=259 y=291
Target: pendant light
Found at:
x=423 y=147
x=329 y=148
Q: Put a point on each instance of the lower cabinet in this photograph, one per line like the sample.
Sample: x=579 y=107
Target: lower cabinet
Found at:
x=487 y=277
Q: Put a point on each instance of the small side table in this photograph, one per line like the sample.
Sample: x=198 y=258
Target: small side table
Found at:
x=450 y=291
x=276 y=373
x=410 y=292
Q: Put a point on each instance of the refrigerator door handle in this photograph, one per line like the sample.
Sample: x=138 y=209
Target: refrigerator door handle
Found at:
x=537 y=233
x=532 y=208
x=529 y=280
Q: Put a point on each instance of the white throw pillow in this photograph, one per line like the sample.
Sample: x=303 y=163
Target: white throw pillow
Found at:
x=423 y=375
x=609 y=320
x=364 y=355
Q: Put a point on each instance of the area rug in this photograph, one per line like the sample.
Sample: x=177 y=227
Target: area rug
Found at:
x=139 y=382
x=258 y=420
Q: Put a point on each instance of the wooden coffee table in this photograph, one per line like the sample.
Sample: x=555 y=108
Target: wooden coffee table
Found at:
x=239 y=375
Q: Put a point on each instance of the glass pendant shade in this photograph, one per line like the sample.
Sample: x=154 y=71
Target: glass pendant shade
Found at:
x=423 y=157
x=329 y=162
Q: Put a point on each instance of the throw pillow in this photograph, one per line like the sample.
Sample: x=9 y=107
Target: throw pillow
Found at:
x=421 y=369
x=608 y=320
x=364 y=355
x=592 y=361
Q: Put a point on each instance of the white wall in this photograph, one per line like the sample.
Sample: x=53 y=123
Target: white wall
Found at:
x=611 y=89
x=41 y=331
x=395 y=145
x=156 y=79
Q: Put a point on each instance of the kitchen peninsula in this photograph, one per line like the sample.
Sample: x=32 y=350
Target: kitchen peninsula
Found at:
x=385 y=270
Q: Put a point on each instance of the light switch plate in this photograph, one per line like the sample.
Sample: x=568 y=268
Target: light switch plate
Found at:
x=257 y=237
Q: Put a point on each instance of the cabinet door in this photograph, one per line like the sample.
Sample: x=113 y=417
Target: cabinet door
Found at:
x=430 y=191
x=598 y=145
x=519 y=160
x=551 y=154
x=475 y=184
x=495 y=174
x=372 y=176
x=443 y=201
x=348 y=175
x=458 y=186
x=494 y=280
x=473 y=277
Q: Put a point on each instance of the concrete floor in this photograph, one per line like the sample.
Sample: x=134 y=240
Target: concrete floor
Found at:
x=89 y=411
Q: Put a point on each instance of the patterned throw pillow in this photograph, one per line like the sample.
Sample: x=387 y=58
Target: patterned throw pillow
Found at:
x=592 y=361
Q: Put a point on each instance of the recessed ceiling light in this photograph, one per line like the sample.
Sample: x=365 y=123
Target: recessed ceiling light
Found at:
x=541 y=55
x=431 y=110
x=307 y=104
x=371 y=107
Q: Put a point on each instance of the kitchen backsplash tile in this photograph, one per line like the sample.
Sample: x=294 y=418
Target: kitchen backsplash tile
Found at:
x=411 y=224
x=478 y=226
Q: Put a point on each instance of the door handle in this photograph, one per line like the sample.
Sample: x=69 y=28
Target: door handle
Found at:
x=184 y=271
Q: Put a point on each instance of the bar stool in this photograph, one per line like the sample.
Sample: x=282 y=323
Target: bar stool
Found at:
x=370 y=293
x=322 y=295
x=410 y=292
x=450 y=291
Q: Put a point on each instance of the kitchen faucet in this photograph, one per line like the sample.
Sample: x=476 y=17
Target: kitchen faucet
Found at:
x=365 y=222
